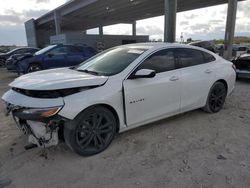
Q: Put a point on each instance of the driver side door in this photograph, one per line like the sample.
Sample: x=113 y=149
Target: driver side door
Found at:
x=149 y=99
x=56 y=58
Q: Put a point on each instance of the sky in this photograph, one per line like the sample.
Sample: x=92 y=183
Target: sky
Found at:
x=201 y=24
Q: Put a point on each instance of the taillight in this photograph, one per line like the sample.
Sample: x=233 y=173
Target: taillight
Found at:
x=234 y=67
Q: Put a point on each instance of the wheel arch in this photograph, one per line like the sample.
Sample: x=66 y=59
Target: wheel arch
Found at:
x=114 y=113
x=109 y=107
x=224 y=82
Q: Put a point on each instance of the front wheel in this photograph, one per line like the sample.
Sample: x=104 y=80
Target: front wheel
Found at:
x=2 y=63
x=91 y=132
x=216 y=98
x=34 y=68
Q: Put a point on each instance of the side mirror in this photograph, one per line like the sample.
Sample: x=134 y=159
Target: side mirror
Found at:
x=143 y=73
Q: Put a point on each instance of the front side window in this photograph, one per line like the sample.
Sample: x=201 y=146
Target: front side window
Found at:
x=189 y=57
x=161 y=61
x=59 y=50
x=44 y=50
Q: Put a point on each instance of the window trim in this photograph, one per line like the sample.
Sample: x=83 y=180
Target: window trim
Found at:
x=146 y=57
x=201 y=51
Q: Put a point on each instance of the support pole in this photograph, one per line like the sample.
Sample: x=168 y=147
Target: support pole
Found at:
x=134 y=28
x=100 y=30
x=170 y=20
x=57 y=18
x=230 y=29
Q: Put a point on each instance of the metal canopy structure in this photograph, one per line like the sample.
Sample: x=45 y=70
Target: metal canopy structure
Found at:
x=81 y=15
x=88 y=14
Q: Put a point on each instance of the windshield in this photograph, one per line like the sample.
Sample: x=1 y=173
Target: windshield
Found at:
x=44 y=50
x=111 y=62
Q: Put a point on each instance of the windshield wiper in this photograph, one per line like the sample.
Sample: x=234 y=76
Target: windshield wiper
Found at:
x=89 y=72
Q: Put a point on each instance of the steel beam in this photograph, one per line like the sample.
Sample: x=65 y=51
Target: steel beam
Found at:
x=100 y=30
x=58 y=20
x=230 y=28
x=170 y=20
x=134 y=28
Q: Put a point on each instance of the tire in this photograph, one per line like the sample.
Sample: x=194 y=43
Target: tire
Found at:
x=2 y=63
x=216 y=98
x=34 y=68
x=91 y=132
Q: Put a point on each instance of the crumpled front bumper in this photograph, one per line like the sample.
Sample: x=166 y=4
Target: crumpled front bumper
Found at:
x=42 y=132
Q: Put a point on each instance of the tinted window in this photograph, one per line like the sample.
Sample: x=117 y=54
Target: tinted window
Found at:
x=44 y=50
x=59 y=50
x=72 y=49
x=189 y=57
x=242 y=49
x=208 y=57
x=161 y=61
x=20 y=51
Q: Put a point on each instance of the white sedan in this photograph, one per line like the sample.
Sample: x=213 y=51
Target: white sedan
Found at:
x=117 y=90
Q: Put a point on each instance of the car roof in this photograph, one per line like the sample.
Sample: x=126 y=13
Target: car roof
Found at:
x=157 y=45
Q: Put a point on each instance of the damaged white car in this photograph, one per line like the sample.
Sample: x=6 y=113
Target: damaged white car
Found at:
x=118 y=89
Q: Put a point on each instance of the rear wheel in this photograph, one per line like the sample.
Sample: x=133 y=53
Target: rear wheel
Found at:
x=34 y=68
x=91 y=132
x=216 y=98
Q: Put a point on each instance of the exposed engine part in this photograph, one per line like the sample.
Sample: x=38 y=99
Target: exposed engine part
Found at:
x=43 y=135
x=50 y=94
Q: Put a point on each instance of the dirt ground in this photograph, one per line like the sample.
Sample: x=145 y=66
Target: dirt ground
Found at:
x=193 y=150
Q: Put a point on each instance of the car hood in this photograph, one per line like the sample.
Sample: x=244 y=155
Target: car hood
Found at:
x=56 y=79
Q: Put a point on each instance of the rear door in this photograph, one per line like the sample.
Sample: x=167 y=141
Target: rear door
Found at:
x=196 y=77
x=150 y=98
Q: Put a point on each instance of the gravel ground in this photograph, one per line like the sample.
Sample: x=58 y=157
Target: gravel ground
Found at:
x=192 y=150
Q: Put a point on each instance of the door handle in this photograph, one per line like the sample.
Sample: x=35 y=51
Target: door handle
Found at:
x=174 y=78
x=208 y=71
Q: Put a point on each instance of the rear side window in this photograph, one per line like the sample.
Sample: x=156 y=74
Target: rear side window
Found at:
x=161 y=61
x=208 y=57
x=72 y=49
x=189 y=57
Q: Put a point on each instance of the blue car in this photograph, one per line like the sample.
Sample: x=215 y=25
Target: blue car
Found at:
x=54 y=56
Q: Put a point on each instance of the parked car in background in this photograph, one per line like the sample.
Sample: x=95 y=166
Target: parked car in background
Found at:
x=117 y=90
x=4 y=50
x=206 y=45
x=54 y=56
x=12 y=61
x=17 y=51
x=242 y=65
x=241 y=50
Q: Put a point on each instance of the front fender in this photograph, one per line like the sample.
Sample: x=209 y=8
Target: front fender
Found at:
x=105 y=95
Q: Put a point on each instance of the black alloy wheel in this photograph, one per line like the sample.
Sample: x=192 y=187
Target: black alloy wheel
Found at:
x=216 y=98
x=94 y=131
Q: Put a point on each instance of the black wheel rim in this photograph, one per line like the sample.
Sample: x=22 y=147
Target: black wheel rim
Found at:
x=217 y=98
x=95 y=132
x=33 y=68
